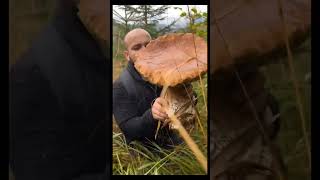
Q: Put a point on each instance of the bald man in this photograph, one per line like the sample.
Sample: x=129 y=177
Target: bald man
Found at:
x=135 y=41
x=137 y=107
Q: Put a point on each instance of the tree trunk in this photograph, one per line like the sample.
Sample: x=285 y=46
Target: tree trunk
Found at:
x=145 y=17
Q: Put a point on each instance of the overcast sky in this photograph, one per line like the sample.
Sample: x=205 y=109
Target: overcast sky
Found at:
x=172 y=13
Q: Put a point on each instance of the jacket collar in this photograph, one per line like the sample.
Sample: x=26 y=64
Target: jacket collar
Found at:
x=134 y=73
x=137 y=76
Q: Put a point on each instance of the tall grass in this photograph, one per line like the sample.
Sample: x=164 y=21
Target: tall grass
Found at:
x=137 y=159
x=291 y=136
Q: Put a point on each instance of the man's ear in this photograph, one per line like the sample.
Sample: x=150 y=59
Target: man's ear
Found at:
x=126 y=55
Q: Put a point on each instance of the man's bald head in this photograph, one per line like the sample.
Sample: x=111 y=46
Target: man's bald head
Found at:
x=134 y=41
x=135 y=36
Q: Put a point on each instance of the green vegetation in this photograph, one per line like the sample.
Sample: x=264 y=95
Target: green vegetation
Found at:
x=280 y=84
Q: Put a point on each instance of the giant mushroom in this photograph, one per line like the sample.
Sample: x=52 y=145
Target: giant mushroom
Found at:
x=252 y=32
x=94 y=16
x=173 y=61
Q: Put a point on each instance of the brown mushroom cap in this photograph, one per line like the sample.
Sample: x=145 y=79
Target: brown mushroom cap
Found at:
x=95 y=16
x=252 y=30
x=172 y=59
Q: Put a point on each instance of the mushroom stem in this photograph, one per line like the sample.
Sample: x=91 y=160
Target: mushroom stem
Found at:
x=186 y=137
x=163 y=92
x=183 y=133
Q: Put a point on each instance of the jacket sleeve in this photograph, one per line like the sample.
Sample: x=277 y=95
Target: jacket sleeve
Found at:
x=133 y=124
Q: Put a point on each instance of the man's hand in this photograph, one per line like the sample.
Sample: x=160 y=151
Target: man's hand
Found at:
x=158 y=111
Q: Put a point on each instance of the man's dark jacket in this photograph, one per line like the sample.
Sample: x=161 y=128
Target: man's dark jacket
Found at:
x=59 y=118
x=132 y=101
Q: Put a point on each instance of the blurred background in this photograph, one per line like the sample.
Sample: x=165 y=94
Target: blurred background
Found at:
x=291 y=136
x=26 y=19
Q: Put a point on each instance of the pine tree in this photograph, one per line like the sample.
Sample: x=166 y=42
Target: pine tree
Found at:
x=150 y=17
x=142 y=16
x=129 y=16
